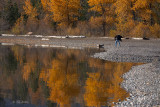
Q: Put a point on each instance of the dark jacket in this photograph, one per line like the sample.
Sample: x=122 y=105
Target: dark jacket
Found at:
x=118 y=37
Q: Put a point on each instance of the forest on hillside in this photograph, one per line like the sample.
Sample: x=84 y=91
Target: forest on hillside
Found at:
x=130 y=18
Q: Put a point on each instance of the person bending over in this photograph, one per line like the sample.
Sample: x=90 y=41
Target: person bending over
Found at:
x=117 y=40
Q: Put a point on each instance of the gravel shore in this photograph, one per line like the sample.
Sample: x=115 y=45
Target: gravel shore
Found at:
x=142 y=82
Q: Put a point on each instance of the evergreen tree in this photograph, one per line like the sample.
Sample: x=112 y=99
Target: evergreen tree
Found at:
x=11 y=13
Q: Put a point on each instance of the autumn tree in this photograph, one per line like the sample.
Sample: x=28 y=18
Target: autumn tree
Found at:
x=155 y=30
x=45 y=4
x=104 y=8
x=147 y=17
x=31 y=12
x=145 y=10
x=65 y=12
x=125 y=16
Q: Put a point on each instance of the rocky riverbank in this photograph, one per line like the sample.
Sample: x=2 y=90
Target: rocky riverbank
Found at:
x=142 y=82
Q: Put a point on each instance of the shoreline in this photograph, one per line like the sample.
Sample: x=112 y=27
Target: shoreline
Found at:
x=142 y=82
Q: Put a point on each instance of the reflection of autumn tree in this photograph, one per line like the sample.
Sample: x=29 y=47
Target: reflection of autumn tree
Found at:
x=19 y=53
x=30 y=65
x=97 y=63
x=10 y=63
x=117 y=69
x=104 y=85
x=31 y=69
x=66 y=73
x=115 y=91
x=37 y=97
x=62 y=79
x=96 y=90
x=11 y=82
x=13 y=86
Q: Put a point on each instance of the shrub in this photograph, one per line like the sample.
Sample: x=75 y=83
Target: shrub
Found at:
x=141 y=30
x=18 y=28
x=155 y=30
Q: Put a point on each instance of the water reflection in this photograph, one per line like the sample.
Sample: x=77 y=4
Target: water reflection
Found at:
x=56 y=77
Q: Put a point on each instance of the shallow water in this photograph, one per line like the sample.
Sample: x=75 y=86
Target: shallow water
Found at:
x=48 y=77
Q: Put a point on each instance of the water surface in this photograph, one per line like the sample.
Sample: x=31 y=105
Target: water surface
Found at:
x=50 y=77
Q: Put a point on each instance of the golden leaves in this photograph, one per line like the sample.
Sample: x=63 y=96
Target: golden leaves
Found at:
x=140 y=4
x=141 y=30
x=29 y=9
x=123 y=8
x=100 y=5
x=96 y=22
x=45 y=4
x=155 y=30
x=65 y=11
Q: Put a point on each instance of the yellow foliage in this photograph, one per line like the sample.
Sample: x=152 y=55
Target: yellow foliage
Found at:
x=65 y=12
x=144 y=4
x=110 y=20
x=112 y=33
x=106 y=11
x=96 y=22
x=126 y=28
x=29 y=9
x=144 y=9
x=155 y=30
x=99 y=5
x=32 y=21
x=141 y=4
x=141 y=30
x=123 y=9
x=45 y=4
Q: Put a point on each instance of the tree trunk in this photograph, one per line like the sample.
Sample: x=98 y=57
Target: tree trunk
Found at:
x=104 y=28
x=151 y=16
x=104 y=21
x=133 y=12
